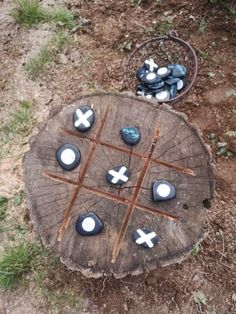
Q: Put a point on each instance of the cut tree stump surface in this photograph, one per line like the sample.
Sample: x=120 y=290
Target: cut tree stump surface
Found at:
x=170 y=148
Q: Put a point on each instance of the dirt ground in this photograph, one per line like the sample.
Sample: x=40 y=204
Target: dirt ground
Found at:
x=92 y=60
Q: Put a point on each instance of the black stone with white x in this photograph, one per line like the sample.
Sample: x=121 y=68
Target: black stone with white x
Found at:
x=83 y=118
x=118 y=175
x=145 y=237
x=163 y=190
x=151 y=65
x=68 y=156
x=89 y=224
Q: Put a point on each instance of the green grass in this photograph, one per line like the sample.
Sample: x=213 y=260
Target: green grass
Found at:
x=3 y=207
x=19 y=119
x=15 y=262
x=31 y=12
x=202 y=26
x=46 y=54
x=64 y=17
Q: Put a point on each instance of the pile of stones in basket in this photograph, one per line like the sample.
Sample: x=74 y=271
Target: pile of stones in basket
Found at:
x=163 y=83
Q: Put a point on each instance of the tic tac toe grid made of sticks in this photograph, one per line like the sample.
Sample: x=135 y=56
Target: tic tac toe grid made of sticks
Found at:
x=170 y=148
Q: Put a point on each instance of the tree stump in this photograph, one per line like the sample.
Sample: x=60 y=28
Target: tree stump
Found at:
x=170 y=149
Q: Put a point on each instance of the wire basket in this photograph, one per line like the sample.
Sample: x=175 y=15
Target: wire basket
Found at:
x=164 y=50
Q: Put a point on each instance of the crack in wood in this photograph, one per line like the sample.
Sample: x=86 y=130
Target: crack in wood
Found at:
x=66 y=219
x=59 y=178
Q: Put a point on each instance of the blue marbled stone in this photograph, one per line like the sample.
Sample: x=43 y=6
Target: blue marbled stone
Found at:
x=179 y=70
x=130 y=135
x=173 y=91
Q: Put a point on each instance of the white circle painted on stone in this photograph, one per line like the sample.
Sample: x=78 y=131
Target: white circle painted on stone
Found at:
x=68 y=156
x=163 y=190
x=162 y=95
x=162 y=71
x=150 y=76
x=180 y=85
x=88 y=224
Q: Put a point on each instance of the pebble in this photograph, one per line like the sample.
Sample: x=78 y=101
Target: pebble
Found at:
x=130 y=135
x=162 y=190
x=150 y=78
x=156 y=87
x=83 y=118
x=89 y=224
x=179 y=70
x=163 y=72
x=157 y=82
x=141 y=72
x=171 y=80
x=181 y=84
x=118 y=175
x=68 y=156
x=150 y=65
x=145 y=237
x=62 y=59
x=163 y=95
x=173 y=91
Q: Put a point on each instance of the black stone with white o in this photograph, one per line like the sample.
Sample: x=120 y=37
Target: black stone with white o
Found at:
x=163 y=95
x=145 y=237
x=89 y=224
x=68 y=156
x=118 y=175
x=150 y=78
x=162 y=190
x=83 y=118
x=163 y=72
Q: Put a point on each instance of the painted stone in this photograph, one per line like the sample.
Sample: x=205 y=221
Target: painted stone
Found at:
x=68 y=156
x=150 y=65
x=89 y=224
x=140 y=90
x=141 y=72
x=179 y=70
x=118 y=175
x=163 y=72
x=83 y=118
x=171 y=80
x=156 y=87
x=145 y=237
x=163 y=190
x=150 y=78
x=163 y=95
x=181 y=84
x=130 y=135
x=173 y=91
x=171 y=67
x=149 y=95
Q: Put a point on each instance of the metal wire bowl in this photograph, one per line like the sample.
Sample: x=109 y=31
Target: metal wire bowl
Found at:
x=164 y=50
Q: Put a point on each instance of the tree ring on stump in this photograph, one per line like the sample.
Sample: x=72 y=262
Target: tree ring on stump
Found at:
x=169 y=149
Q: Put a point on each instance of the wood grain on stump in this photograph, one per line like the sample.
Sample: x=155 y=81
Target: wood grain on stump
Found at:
x=170 y=149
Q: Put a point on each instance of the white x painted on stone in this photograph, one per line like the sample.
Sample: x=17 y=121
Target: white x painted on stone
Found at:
x=145 y=238
x=118 y=175
x=82 y=118
x=152 y=64
x=141 y=93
